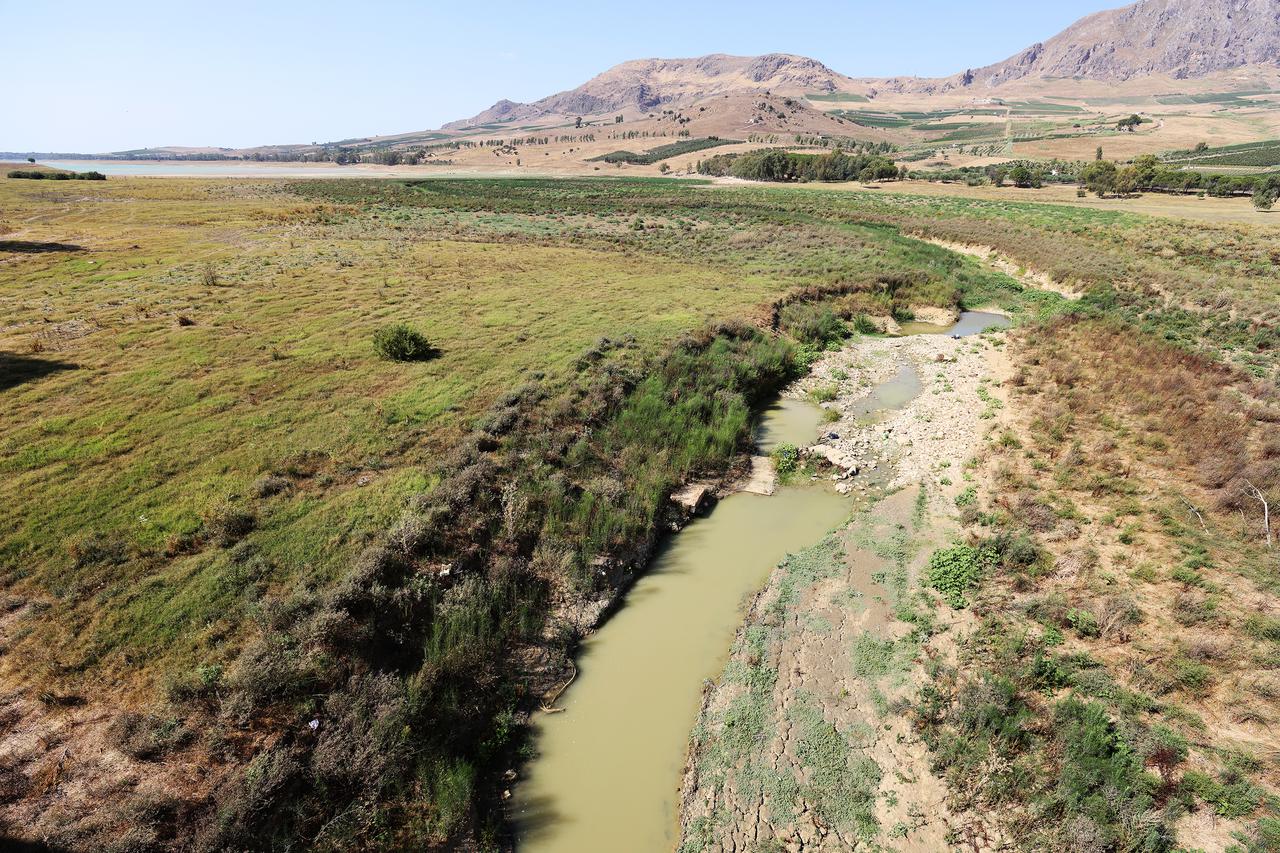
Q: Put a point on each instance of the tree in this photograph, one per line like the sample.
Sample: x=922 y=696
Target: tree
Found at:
x=578 y=123
x=1266 y=193
x=1021 y=176
x=1097 y=154
x=31 y=159
x=1129 y=123
x=1126 y=182
x=1099 y=176
x=1145 y=169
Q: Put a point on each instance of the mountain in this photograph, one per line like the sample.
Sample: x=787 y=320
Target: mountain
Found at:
x=648 y=85
x=1176 y=38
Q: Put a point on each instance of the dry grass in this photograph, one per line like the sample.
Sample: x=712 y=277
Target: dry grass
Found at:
x=1125 y=470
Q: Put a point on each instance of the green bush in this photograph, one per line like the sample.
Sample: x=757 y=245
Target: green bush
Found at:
x=954 y=571
x=786 y=459
x=863 y=325
x=1084 y=622
x=812 y=324
x=401 y=342
x=1232 y=795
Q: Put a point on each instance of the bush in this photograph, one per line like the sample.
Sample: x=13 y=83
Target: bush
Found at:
x=400 y=342
x=955 y=570
x=146 y=737
x=39 y=175
x=227 y=524
x=812 y=324
x=786 y=459
x=270 y=484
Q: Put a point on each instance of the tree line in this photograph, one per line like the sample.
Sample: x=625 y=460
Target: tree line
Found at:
x=776 y=164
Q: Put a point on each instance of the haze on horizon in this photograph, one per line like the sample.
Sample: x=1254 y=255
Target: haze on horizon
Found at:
x=147 y=75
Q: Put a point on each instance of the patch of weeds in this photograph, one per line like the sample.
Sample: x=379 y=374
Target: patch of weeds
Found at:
x=842 y=783
x=824 y=393
x=1231 y=795
x=786 y=459
x=805 y=568
x=956 y=570
x=1262 y=626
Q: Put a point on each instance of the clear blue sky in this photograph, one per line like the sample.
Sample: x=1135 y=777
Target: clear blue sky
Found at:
x=94 y=77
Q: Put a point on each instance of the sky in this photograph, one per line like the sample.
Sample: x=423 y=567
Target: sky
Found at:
x=96 y=77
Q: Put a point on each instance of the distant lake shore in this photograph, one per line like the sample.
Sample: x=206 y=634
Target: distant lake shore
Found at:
x=234 y=168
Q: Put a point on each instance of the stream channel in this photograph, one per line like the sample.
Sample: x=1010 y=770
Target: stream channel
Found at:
x=609 y=765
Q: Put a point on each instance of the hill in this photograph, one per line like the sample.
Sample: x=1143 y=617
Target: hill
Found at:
x=1181 y=39
x=645 y=85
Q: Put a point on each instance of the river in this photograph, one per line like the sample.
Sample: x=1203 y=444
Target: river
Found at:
x=609 y=765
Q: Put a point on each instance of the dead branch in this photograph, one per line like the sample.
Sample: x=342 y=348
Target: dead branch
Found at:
x=1196 y=512
x=1266 y=508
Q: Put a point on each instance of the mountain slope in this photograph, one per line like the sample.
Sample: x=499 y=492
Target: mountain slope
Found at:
x=646 y=85
x=1178 y=38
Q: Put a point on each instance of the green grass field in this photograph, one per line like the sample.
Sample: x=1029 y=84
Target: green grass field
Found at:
x=199 y=444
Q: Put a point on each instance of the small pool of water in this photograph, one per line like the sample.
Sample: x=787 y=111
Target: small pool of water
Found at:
x=890 y=395
x=787 y=422
x=970 y=323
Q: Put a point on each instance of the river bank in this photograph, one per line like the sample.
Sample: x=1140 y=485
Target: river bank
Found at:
x=802 y=743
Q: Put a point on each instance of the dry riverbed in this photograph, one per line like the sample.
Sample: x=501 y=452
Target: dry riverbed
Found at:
x=803 y=743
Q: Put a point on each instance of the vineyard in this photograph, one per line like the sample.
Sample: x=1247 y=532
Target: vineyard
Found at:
x=1252 y=154
x=663 y=152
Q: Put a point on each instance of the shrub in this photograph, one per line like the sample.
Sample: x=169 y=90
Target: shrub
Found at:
x=147 y=737
x=812 y=324
x=1084 y=622
x=38 y=175
x=270 y=484
x=786 y=459
x=955 y=570
x=401 y=342
x=863 y=325
x=227 y=524
x=89 y=549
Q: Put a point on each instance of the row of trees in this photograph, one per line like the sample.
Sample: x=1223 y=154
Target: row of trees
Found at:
x=1148 y=173
x=776 y=164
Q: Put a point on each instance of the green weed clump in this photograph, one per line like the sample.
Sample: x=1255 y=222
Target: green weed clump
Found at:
x=813 y=324
x=786 y=459
x=401 y=342
x=956 y=570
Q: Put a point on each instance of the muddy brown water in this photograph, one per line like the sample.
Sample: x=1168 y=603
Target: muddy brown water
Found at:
x=970 y=323
x=609 y=765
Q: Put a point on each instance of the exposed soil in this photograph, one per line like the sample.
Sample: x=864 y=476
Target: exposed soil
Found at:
x=802 y=742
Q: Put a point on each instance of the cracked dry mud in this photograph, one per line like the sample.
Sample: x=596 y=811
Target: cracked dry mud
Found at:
x=803 y=743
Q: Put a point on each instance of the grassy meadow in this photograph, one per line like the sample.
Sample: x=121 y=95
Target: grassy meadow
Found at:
x=221 y=509
x=147 y=427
